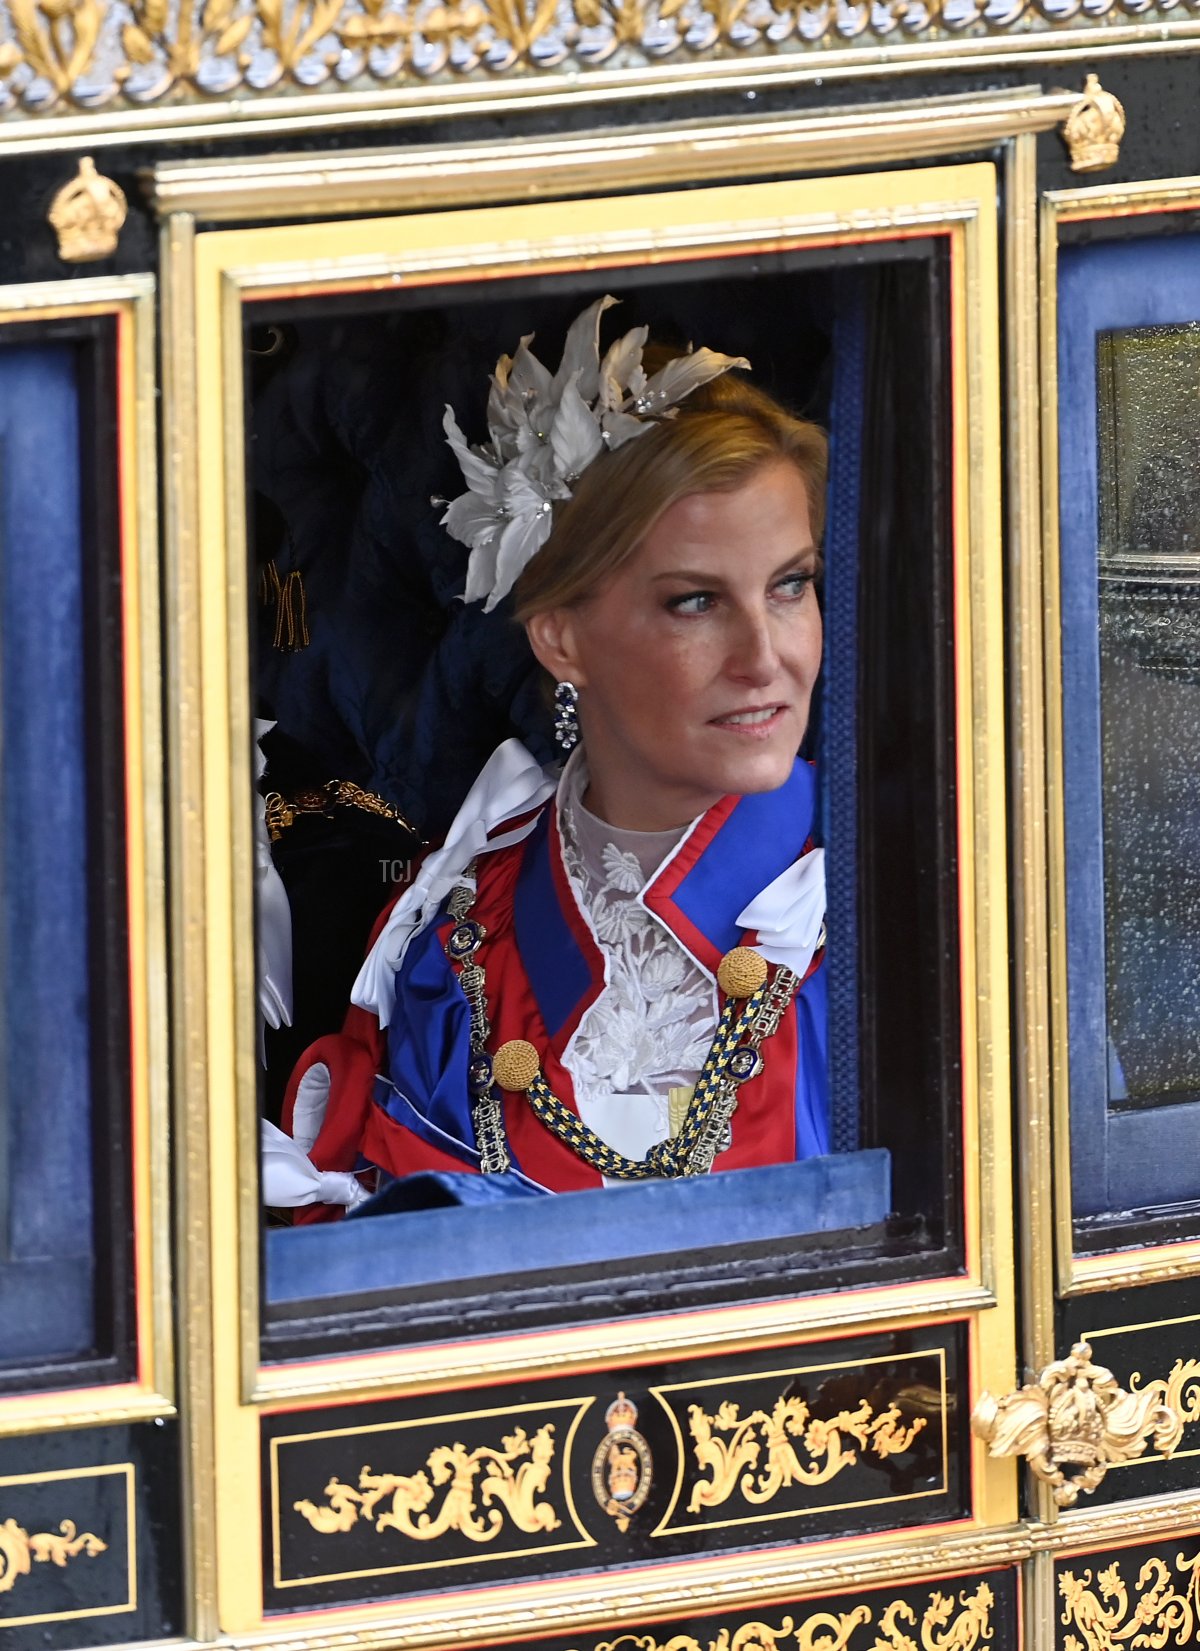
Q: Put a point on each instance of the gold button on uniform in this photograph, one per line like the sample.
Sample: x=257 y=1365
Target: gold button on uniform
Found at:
x=515 y=1065
x=741 y=972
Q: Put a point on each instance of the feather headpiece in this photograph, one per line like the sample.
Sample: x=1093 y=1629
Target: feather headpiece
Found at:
x=545 y=429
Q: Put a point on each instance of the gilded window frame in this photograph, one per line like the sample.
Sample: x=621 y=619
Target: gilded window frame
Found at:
x=1080 y=1274
x=130 y=299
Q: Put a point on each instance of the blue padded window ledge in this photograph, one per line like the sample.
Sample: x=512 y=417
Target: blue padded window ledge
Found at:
x=393 y=1252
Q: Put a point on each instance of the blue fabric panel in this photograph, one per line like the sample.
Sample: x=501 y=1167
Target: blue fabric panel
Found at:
x=812 y=1068
x=1152 y=1156
x=1143 y=282
x=45 y=1055
x=757 y=843
x=611 y=1224
x=558 y=971
x=837 y=763
x=428 y=1050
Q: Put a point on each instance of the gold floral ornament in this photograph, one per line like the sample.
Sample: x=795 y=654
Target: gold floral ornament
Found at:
x=87 y=215
x=1076 y=1421
x=1094 y=129
x=19 y=1550
x=1161 y=1612
x=484 y=1486
x=731 y=1461
x=946 y=1624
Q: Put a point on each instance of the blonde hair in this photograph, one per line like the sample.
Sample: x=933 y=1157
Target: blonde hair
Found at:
x=722 y=434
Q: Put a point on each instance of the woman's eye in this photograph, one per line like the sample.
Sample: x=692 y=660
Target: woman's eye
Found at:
x=794 y=585
x=695 y=602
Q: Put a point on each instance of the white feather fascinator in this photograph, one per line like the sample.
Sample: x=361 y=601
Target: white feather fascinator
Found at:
x=545 y=429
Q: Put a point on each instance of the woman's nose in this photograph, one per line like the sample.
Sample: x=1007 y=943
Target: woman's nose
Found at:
x=755 y=657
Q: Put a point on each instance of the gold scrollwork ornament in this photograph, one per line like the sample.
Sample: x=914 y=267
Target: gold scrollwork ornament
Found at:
x=1160 y=1611
x=946 y=1624
x=476 y=1481
x=824 y=1443
x=87 y=215
x=1093 y=130
x=1076 y=1421
x=622 y=1468
x=19 y=1549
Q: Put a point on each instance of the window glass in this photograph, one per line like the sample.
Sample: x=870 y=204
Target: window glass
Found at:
x=1149 y=393
x=1129 y=373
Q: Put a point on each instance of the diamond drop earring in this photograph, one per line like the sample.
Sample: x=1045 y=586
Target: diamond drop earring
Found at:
x=566 y=715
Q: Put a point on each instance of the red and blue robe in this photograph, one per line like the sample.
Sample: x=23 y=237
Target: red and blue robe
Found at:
x=400 y=1099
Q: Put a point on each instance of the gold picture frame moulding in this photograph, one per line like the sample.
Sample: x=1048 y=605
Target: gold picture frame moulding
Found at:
x=130 y=301
x=287 y=187
x=1160 y=1263
x=212 y=276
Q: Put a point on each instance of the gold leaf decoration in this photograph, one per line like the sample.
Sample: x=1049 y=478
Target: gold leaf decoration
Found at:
x=948 y=1623
x=127 y=54
x=19 y=1550
x=139 y=48
x=1162 y=1612
x=1076 y=1421
x=484 y=1486
x=730 y=1461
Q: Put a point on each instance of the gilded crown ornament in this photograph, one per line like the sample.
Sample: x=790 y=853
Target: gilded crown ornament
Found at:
x=544 y=429
x=1076 y=1421
x=87 y=215
x=1094 y=129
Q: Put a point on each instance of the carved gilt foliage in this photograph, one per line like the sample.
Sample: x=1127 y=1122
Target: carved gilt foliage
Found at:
x=730 y=1448
x=93 y=54
x=482 y=1488
x=948 y=1623
x=1162 y=1610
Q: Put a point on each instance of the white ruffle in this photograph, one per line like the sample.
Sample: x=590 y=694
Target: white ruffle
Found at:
x=787 y=916
x=290 y=1179
x=273 y=912
x=511 y=784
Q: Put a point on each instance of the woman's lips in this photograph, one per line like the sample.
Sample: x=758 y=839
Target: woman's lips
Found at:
x=757 y=721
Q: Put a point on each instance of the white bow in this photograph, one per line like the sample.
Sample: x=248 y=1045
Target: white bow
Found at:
x=789 y=912
x=512 y=783
x=289 y=1178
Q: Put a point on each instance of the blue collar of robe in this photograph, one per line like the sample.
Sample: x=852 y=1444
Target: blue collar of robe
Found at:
x=731 y=853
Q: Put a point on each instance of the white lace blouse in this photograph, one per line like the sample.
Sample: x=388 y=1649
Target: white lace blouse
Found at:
x=649 y=1030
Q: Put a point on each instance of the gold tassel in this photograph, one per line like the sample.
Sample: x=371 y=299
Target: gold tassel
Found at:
x=291 y=610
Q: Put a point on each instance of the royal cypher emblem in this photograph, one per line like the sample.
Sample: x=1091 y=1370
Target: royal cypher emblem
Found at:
x=622 y=1468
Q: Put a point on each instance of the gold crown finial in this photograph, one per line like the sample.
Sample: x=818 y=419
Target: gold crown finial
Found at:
x=622 y=1412
x=87 y=215
x=1094 y=129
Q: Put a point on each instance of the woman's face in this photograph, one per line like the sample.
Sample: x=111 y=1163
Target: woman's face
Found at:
x=696 y=662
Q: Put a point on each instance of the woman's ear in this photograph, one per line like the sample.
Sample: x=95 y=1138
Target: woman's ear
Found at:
x=553 y=637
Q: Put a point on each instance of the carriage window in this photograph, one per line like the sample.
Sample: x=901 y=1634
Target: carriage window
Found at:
x=705 y=983
x=385 y=696
x=1131 y=639
x=74 y=1078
